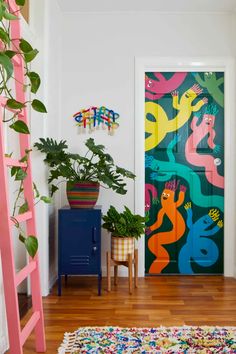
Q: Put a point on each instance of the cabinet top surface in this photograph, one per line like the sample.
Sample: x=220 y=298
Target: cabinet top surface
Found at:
x=68 y=208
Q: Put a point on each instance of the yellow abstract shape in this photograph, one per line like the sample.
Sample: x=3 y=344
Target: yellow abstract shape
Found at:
x=214 y=214
x=160 y=125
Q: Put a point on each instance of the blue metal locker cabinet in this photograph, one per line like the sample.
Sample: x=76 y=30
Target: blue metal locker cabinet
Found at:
x=79 y=243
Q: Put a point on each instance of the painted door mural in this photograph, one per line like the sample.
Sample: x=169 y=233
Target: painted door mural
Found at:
x=184 y=172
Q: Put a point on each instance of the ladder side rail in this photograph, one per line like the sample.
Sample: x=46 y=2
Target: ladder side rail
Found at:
x=29 y=196
x=7 y=256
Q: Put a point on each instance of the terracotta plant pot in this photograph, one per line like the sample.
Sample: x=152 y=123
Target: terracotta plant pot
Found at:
x=121 y=247
x=83 y=194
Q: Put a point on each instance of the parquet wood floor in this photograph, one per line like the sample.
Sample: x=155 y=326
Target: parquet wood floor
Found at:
x=163 y=300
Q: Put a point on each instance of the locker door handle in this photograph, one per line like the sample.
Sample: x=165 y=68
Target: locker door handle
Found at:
x=94 y=234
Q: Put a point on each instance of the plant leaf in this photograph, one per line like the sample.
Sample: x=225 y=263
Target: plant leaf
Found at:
x=1 y=12
x=21 y=238
x=46 y=199
x=31 y=244
x=20 y=2
x=38 y=106
x=20 y=175
x=10 y=53
x=11 y=103
x=25 y=46
x=53 y=189
x=24 y=158
x=4 y=36
x=36 y=190
x=9 y=16
x=29 y=56
x=24 y=208
x=35 y=81
x=14 y=170
x=20 y=127
x=7 y=64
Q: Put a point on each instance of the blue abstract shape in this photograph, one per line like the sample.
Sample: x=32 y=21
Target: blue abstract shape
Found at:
x=198 y=247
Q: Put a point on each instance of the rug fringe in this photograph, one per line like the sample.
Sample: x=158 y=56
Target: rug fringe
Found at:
x=68 y=343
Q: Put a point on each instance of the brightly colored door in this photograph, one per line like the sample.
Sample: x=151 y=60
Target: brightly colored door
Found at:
x=184 y=172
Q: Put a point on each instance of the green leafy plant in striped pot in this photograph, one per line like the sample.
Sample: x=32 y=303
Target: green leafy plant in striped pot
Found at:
x=83 y=174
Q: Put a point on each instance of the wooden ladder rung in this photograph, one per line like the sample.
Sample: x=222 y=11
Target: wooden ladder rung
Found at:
x=29 y=327
x=13 y=162
x=21 y=218
x=24 y=272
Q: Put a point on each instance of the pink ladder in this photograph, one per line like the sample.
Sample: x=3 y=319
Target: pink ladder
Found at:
x=11 y=279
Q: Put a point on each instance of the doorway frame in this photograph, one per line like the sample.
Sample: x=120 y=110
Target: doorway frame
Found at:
x=190 y=64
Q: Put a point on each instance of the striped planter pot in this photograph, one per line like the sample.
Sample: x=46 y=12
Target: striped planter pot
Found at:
x=121 y=247
x=83 y=194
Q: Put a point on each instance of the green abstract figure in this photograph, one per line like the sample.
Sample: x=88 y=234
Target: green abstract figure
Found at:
x=212 y=84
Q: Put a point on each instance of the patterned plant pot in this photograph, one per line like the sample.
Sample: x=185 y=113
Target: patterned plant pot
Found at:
x=121 y=247
x=83 y=194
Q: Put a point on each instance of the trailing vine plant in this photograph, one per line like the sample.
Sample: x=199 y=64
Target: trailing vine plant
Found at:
x=8 y=50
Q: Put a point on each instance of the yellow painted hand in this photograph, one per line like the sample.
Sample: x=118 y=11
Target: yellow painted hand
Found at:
x=188 y=205
x=220 y=223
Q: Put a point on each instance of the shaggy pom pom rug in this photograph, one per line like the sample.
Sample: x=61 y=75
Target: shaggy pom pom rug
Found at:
x=179 y=340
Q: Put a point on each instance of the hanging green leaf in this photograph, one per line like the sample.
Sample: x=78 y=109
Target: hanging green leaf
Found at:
x=14 y=169
x=9 y=155
x=8 y=16
x=20 y=127
x=36 y=190
x=6 y=64
x=31 y=244
x=35 y=81
x=24 y=158
x=21 y=238
x=4 y=36
x=20 y=2
x=25 y=46
x=1 y=11
x=13 y=104
x=10 y=53
x=30 y=55
x=53 y=189
x=24 y=208
x=20 y=174
x=38 y=106
x=45 y=199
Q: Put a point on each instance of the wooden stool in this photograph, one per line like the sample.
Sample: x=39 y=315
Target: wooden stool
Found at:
x=128 y=263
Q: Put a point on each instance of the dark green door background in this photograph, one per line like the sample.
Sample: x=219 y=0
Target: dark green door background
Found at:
x=184 y=172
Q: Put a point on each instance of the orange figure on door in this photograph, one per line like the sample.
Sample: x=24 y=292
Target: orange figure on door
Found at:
x=170 y=209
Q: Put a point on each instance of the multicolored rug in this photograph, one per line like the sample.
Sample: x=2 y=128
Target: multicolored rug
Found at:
x=179 y=340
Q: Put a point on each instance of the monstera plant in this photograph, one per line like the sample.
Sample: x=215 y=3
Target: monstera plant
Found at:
x=83 y=174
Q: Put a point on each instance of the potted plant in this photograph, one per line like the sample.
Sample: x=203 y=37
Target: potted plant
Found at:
x=125 y=227
x=83 y=174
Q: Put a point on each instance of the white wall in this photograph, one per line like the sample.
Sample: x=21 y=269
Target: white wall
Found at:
x=97 y=56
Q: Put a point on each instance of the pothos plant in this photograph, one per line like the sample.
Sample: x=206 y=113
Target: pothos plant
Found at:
x=9 y=48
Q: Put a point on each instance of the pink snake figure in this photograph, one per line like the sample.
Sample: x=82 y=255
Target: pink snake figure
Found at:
x=209 y=162
x=150 y=196
x=158 y=88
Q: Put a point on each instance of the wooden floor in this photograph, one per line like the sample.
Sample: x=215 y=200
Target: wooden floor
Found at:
x=164 y=300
